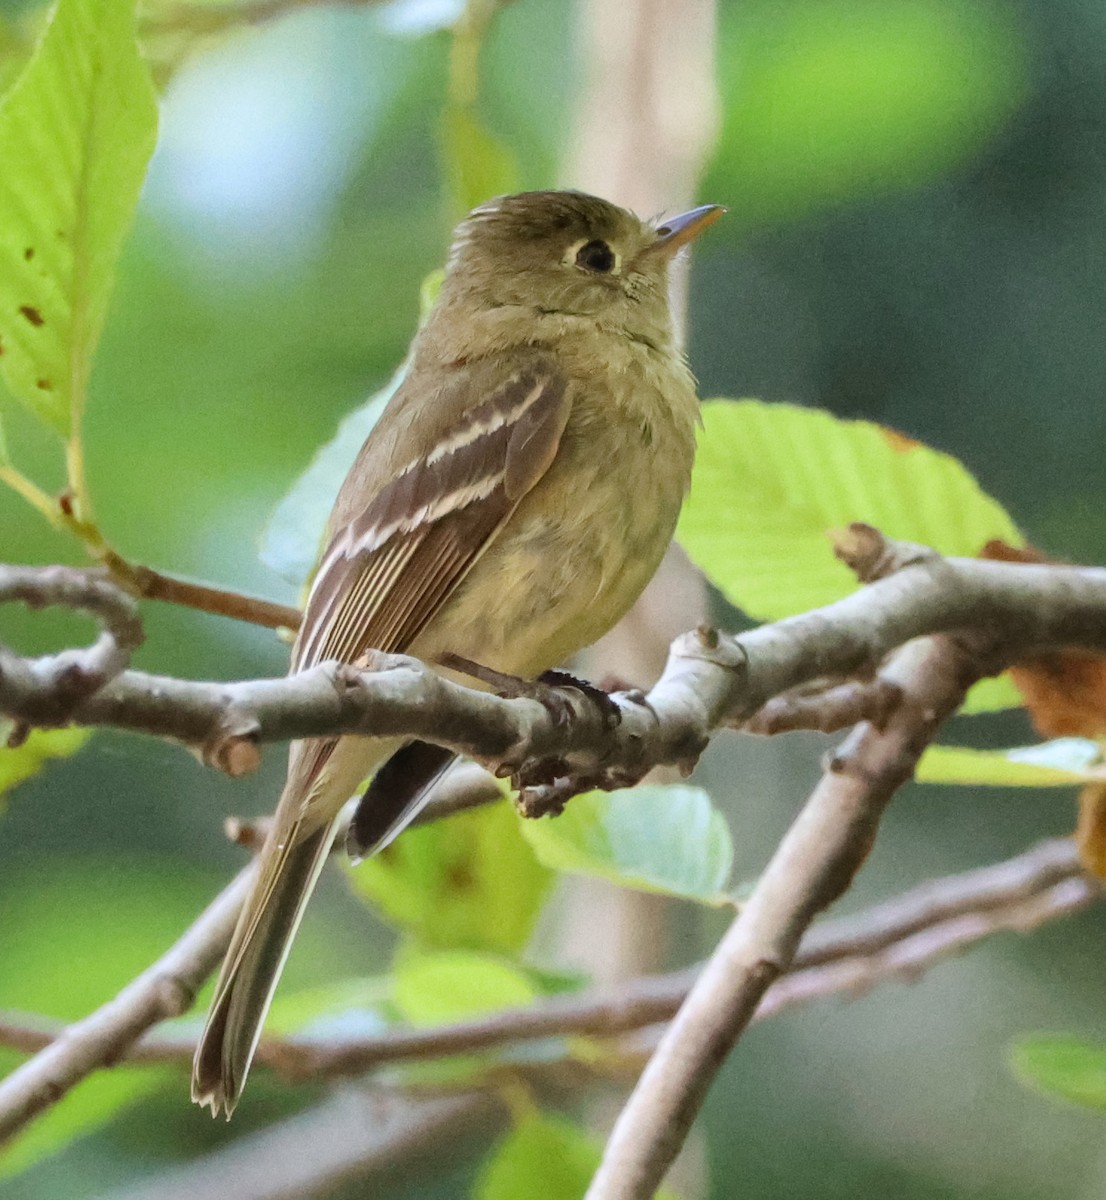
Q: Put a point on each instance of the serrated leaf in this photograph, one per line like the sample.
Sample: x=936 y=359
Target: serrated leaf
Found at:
x=292 y=539
x=771 y=481
x=76 y=131
x=452 y=985
x=469 y=881
x=543 y=1156
x=1063 y=1066
x=657 y=839
x=20 y=763
x=1060 y=763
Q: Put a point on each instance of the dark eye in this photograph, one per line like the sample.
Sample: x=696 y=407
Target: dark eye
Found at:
x=596 y=256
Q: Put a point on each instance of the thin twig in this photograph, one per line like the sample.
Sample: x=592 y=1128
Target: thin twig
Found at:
x=902 y=935
x=360 y=1134
x=163 y=990
x=157 y=585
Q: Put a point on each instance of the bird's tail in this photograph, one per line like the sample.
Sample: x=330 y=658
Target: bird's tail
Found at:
x=288 y=870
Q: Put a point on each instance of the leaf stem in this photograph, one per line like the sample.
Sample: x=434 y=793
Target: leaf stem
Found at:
x=70 y=515
x=38 y=499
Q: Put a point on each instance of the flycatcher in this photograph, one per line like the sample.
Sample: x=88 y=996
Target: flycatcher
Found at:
x=510 y=505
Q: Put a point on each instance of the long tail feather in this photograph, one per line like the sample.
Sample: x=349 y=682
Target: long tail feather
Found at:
x=287 y=876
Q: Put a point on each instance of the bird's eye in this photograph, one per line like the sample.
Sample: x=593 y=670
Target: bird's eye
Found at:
x=596 y=256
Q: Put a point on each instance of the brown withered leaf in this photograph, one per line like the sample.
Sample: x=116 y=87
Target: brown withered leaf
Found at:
x=1065 y=693
x=1090 y=832
x=901 y=442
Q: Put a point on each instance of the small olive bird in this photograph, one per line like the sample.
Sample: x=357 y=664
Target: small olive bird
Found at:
x=510 y=505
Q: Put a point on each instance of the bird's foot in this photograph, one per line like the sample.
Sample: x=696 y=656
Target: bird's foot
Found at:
x=548 y=689
x=545 y=788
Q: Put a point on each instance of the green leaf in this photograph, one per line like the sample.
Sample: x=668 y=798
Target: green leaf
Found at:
x=349 y=1006
x=543 y=1156
x=992 y=694
x=469 y=881
x=824 y=103
x=76 y=131
x=41 y=746
x=69 y=940
x=1060 y=763
x=478 y=164
x=1062 y=1066
x=293 y=537
x=771 y=480
x=452 y=985
x=654 y=838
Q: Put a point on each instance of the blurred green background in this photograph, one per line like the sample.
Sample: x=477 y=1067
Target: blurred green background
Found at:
x=917 y=235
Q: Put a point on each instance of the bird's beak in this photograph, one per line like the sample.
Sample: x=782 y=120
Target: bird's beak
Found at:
x=678 y=231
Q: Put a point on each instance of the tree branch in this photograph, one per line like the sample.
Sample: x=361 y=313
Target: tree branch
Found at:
x=710 y=679
x=813 y=865
x=163 y=990
x=904 y=935
x=356 y=1134
x=157 y=585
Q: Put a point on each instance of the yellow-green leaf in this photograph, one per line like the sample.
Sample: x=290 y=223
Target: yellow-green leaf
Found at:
x=1060 y=763
x=1062 y=1066
x=76 y=131
x=28 y=759
x=657 y=839
x=543 y=1156
x=468 y=881
x=453 y=985
x=772 y=480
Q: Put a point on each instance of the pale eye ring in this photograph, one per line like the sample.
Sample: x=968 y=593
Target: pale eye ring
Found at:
x=595 y=256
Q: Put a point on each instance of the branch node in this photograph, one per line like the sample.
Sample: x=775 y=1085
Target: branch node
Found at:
x=233 y=746
x=871 y=555
x=709 y=644
x=247 y=834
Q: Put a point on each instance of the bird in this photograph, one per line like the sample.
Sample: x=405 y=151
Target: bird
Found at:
x=510 y=505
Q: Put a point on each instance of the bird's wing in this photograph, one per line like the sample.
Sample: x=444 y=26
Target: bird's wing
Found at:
x=389 y=570
x=385 y=574
x=392 y=566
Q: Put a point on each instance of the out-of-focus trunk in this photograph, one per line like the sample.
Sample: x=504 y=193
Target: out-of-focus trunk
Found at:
x=646 y=121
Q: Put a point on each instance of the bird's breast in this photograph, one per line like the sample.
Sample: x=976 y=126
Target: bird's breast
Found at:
x=582 y=545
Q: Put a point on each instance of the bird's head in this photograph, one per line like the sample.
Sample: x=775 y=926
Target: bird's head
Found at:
x=569 y=253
